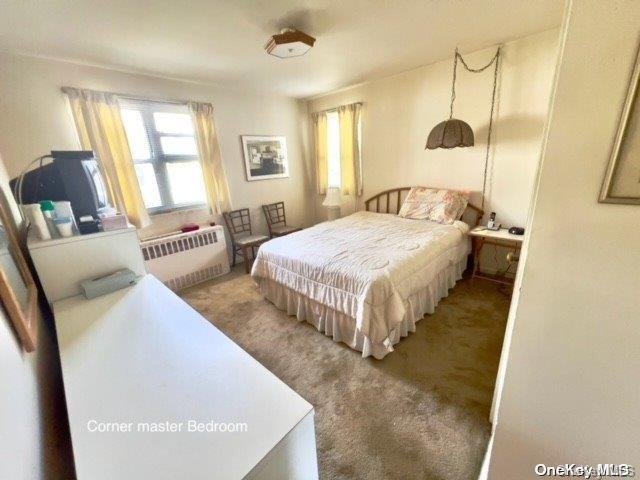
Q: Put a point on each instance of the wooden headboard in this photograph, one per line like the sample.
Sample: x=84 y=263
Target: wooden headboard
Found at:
x=390 y=201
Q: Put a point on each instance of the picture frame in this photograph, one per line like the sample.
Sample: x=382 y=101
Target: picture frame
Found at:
x=265 y=157
x=621 y=182
x=18 y=290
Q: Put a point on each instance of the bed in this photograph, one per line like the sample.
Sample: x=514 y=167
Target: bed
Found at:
x=366 y=279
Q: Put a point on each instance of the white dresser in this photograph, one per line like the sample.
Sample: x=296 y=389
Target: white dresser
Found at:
x=62 y=263
x=141 y=360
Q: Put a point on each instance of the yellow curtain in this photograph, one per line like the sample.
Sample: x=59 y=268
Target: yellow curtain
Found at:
x=320 y=145
x=215 y=180
x=350 y=164
x=100 y=128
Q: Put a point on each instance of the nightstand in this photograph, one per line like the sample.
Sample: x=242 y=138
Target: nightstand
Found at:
x=482 y=236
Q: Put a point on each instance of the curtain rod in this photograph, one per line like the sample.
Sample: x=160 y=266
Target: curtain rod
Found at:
x=333 y=109
x=143 y=99
x=133 y=97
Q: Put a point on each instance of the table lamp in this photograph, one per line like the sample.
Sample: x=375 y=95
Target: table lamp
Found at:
x=332 y=201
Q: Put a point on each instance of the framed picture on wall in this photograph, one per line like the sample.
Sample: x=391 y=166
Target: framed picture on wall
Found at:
x=265 y=157
x=622 y=178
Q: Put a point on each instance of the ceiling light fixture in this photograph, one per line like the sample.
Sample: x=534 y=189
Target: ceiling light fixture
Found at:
x=289 y=43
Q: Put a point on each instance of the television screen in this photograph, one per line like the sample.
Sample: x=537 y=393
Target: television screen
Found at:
x=92 y=170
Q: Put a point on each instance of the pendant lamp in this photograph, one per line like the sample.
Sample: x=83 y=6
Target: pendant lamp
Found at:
x=451 y=133
x=454 y=132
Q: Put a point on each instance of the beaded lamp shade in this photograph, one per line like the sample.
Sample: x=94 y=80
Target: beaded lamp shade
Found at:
x=451 y=133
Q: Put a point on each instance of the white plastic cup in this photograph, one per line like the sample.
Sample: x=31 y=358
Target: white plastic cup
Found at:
x=64 y=226
x=63 y=209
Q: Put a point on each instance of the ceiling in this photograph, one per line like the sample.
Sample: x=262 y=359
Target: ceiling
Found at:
x=222 y=42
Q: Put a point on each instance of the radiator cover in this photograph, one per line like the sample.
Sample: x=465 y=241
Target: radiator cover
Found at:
x=185 y=259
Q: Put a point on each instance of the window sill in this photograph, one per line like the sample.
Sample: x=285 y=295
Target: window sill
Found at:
x=171 y=211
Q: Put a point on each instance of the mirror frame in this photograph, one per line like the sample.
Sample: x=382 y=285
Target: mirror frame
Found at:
x=23 y=317
x=633 y=95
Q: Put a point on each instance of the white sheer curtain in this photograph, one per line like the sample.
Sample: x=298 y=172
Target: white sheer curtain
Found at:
x=320 y=151
x=215 y=179
x=350 y=164
x=100 y=128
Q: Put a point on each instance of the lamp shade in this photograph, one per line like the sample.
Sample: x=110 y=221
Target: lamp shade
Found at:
x=451 y=133
x=333 y=197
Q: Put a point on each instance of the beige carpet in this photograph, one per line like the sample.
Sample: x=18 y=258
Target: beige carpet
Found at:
x=420 y=413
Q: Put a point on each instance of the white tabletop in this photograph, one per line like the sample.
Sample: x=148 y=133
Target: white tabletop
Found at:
x=142 y=356
x=502 y=234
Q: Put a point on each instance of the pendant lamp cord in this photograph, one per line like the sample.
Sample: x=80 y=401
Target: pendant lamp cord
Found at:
x=494 y=61
x=453 y=84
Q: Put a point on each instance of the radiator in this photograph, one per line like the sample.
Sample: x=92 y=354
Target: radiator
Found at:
x=184 y=259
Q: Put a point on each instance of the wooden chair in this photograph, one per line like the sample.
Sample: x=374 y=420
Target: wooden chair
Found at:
x=239 y=225
x=277 y=220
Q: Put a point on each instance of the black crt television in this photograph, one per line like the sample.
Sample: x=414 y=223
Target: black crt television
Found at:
x=74 y=176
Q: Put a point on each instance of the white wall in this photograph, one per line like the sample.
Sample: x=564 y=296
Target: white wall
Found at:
x=20 y=416
x=399 y=112
x=571 y=390
x=34 y=438
x=35 y=118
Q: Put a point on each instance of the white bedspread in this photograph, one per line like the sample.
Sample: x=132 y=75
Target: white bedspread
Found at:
x=365 y=265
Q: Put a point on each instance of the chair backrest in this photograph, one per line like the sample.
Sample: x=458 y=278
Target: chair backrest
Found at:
x=274 y=213
x=238 y=222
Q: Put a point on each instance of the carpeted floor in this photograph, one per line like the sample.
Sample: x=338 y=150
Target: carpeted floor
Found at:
x=420 y=413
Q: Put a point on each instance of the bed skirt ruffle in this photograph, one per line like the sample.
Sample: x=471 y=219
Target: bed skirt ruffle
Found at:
x=342 y=327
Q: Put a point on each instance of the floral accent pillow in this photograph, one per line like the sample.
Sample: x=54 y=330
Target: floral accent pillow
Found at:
x=442 y=206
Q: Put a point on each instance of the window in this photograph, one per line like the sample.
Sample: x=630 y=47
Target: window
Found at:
x=333 y=149
x=164 y=150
